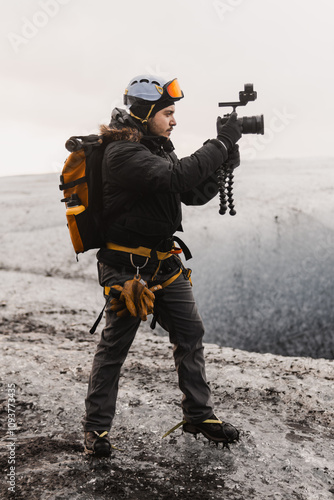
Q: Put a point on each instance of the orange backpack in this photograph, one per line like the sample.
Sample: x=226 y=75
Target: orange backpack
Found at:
x=81 y=181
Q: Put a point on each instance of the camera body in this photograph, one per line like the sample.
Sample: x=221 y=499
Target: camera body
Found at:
x=249 y=124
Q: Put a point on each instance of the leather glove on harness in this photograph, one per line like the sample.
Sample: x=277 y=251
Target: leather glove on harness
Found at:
x=135 y=298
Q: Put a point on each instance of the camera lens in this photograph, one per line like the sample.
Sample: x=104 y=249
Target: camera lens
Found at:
x=252 y=124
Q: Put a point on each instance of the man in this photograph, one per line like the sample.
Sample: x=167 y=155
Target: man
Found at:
x=144 y=185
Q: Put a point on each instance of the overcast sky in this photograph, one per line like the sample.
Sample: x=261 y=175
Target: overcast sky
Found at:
x=66 y=63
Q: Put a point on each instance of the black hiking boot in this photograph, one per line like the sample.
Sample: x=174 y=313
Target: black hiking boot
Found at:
x=97 y=444
x=215 y=430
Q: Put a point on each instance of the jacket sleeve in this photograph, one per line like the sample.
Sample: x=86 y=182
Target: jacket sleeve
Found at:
x=133 y=167
x=202 y=193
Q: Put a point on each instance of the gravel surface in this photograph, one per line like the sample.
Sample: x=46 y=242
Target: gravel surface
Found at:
x=283 y=406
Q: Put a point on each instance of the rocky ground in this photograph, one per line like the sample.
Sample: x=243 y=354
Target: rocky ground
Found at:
x=283 y=406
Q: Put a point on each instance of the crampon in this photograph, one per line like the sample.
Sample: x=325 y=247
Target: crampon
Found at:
x=213 y=429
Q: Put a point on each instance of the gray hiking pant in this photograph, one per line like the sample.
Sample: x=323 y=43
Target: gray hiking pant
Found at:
x=178 y=315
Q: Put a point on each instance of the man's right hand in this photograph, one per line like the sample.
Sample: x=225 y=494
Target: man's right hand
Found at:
x=230 y=132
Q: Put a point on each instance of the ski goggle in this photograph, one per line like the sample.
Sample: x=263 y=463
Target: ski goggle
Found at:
x=173 y=89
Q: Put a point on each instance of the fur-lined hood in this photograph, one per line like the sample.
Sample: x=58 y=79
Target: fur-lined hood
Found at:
x=111 y=134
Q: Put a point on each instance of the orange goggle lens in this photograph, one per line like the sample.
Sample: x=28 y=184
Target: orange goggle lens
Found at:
x=173 y=89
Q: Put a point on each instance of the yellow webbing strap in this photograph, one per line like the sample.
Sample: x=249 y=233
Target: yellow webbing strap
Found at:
x=188 y=275
x=166 y=283
x=211 y=421
x=142 y=251
x=174 y=428
x=115 y=448
x=102 y=435
x=173 y=278
x=208 y=421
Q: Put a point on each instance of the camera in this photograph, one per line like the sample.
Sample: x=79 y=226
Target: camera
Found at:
x=249 y=124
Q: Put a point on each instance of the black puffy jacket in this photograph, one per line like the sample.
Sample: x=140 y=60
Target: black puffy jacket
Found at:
x=144 y=184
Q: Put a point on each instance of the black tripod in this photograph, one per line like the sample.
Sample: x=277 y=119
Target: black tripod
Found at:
x=225 y=183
